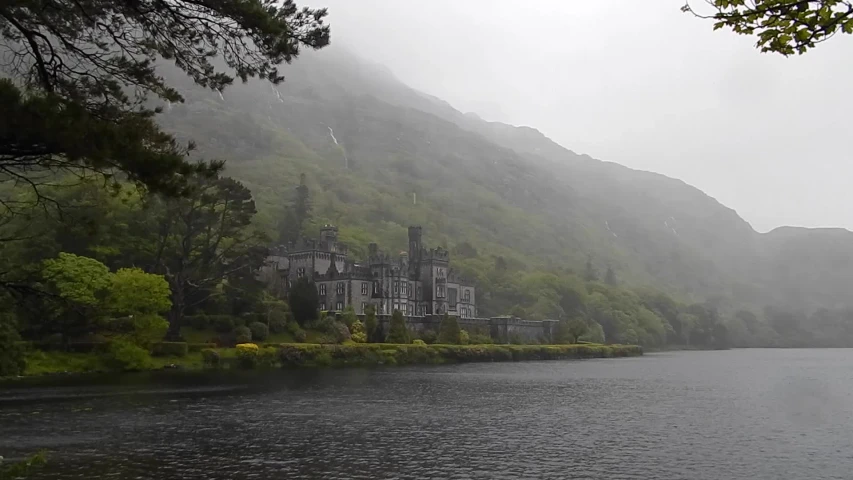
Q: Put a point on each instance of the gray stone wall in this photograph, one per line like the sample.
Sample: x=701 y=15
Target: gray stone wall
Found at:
x=501 y=329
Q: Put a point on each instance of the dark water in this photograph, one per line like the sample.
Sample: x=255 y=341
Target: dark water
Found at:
x=748 y=414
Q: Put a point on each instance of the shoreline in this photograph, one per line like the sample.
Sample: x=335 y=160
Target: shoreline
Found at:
x=304 y=355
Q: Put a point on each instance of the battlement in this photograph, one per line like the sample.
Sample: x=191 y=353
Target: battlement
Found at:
x=436 y=254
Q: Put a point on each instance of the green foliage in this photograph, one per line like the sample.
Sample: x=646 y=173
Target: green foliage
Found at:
x=22 y=469
x=449 y=331
x=303 y=300
x=90 y=96
x=81 y=280
x=259 y=331
x=418 y=342
x=170 y=349
x=222 y=323
x=349 y=317
x=300 y=335
x=357 y=332
x=429 y=337
x=124 y=356
x=569 y=331
x=143 y=330
x=134 y=292
x=783 y=26
x=371 y=325
x=242 y=334
x=12 y=360
x=594 y=334
x=464 y=338
x=398 y=332
x=480 y=339
x=420 y=353
x=278 y=321
x=211 y=358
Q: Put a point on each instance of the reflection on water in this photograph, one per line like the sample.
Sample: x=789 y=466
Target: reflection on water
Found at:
x=695 y=415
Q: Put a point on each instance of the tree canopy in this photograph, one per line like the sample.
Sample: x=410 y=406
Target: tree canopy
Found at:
x=782 y=26
x=81 y=83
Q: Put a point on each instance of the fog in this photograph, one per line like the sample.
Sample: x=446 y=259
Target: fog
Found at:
x=638 y=83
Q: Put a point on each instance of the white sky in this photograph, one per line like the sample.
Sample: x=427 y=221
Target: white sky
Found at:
x=638 y=83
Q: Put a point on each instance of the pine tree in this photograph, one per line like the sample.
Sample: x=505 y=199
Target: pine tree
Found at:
x=449 y=331
x=590 y=274
x=610 y=276
x=398 y=333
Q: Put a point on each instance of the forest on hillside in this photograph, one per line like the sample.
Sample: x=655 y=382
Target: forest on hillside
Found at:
x=140 y=191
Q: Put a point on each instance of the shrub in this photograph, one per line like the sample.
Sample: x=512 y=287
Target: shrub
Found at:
x=278 y=321
x=11 y=350
x=211 y=358
x=222 y=323
x=371 y=326
x=300 y=336
x=247 y=355
x=448 y=331
x=242 y=335
x=267 y=357
x=121 y=355
x=480 y=339
x=429 y=336
x=418 y=342
x=260 y=332
x=292 y=327
x=340 y=332
x=170 y=349
x=397 y=332
x=349 y=317
x=464 y=338
x=357 y=332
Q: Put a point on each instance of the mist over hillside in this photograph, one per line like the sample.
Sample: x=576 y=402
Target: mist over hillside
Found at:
x=379 y=156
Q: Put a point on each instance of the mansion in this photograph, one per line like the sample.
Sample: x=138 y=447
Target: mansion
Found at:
x=419 y=282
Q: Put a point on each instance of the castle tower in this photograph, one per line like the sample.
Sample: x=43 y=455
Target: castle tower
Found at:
x=329 y=236
x=415 y=246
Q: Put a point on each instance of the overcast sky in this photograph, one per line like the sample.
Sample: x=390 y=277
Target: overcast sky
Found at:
x=638 y=83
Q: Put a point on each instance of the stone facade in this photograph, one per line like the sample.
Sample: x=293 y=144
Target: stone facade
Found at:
x=418 y=282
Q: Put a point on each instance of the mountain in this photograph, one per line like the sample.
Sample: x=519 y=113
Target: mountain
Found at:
x=379 y=156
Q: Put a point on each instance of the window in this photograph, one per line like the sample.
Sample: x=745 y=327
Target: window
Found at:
x=322 y=289
x=322 y=306
x=363 y=305
x=440 y=273
x=396 y=287
x=467 y=296
x=409 y=309
x=342 y=288
x=340 y=306
x=376 y=288
x=396 y=306
x=364 y=288
x=300 y=272
x=439 y=291
x=411 y=289
x=405 y=288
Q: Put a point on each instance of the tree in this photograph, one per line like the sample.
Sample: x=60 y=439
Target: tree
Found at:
x=568 y=331
x=398 y=332
x=203 y=240
x=371 y=326
x=610 y=277
x=782 y=26
x=76 y=288
x=11 y=351
x=449 y=331
x=83 y=75
x=590 y=274
x=303 y=300
x=134 y=292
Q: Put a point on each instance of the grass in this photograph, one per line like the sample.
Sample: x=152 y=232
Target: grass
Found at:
x=350 y=354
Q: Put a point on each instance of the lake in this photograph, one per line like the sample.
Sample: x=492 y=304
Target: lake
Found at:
x=741 y=414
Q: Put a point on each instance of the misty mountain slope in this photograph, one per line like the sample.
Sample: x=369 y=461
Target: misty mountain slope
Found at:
x=379 y=156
